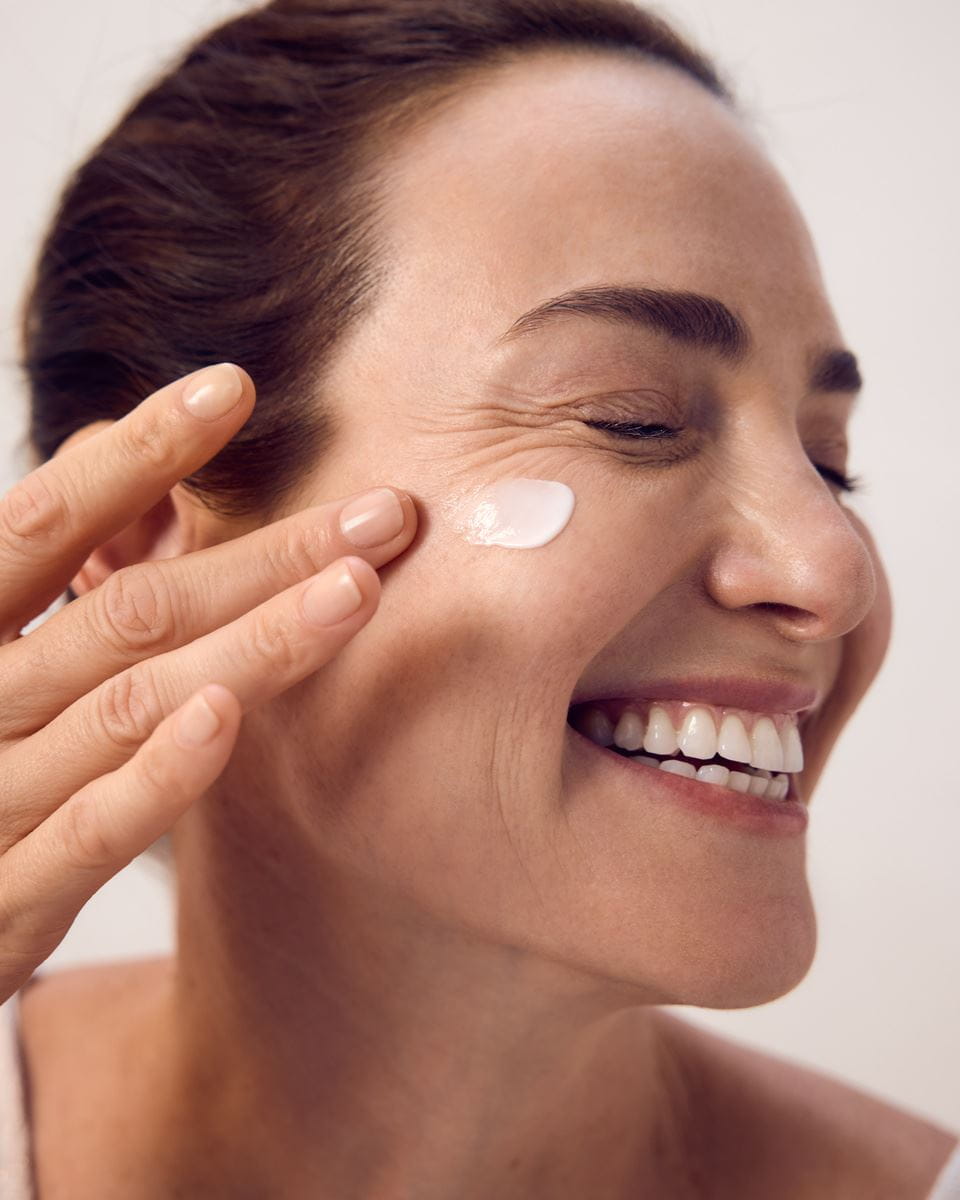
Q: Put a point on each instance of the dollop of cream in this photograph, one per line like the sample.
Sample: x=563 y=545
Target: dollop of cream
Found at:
x=518 y=513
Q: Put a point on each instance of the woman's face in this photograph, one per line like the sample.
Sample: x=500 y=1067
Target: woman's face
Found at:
x=434 y=758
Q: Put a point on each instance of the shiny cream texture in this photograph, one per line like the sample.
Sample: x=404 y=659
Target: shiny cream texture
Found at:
x=518 y=513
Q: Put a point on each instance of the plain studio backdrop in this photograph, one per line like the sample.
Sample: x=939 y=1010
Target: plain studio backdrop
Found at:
x=857 y=104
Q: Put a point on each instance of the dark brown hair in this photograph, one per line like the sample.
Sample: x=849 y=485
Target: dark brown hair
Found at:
x=231 y=212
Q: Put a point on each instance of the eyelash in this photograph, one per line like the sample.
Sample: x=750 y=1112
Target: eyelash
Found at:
x=846 y=483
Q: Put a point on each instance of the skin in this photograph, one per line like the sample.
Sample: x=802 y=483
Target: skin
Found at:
x=421 y=944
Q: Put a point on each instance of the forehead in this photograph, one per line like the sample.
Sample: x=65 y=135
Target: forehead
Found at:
x=561 y=169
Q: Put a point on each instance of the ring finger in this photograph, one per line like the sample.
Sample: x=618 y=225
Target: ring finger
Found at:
x=257 y=656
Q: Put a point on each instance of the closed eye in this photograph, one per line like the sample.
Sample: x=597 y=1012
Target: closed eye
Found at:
x=632 y=429
x=847 y=483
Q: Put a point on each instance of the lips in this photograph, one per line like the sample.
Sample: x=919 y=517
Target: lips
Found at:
x=755 y=693
x=755 y=814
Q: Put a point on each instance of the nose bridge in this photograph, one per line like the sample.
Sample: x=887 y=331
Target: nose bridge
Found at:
x=787 y=542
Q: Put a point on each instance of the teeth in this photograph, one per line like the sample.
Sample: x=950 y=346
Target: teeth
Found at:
x=714 y=773
x=761 y=784
x=628 y=734
x=758 y=783
x=732 y=741
x=766 y=746
x=792 y=749
x=597 y=726
x=770 y=751
x=661 y=737
x=675 y=767
x=698 y=734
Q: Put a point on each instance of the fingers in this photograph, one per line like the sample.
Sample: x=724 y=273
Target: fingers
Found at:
x=47 y=877
x=150 y=608
x=257 y=656
x=54 y=517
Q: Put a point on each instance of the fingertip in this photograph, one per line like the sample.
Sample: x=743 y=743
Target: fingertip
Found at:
x=411 y=515
x=367 y=579
x=221 y=699
x=249 y=387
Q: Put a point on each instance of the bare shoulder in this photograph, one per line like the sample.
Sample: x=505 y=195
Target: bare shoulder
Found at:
x=78 y=1029
x=775 y=1119
x=54 y=1003
x=73 y=1022
x=77 y=1025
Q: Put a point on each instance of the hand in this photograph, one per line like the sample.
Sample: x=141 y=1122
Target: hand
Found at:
x=104 y=707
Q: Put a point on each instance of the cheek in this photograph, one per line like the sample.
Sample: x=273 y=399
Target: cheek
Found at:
x=551 y=574
x=865 y=647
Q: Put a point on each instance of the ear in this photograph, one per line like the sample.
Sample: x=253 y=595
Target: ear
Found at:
x=173 y=526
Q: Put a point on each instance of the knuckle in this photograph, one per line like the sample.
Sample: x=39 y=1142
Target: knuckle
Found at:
x=93 y=836
x=86 y=836
x=299 y=551
x=318 y=542
x=133 y=609
x=10 y=907
x=128 y=708
x=272 y=638
x=33 y=511
x=149 y=441
x=32 y=921
x=156 y=770
x=11 y=828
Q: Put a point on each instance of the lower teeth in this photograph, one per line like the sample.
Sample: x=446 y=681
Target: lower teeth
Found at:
x=743 y=779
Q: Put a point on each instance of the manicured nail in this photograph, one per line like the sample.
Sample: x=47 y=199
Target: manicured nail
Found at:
x=372 y=519
x=332 y=595
x=197 y=724
x=214 y=392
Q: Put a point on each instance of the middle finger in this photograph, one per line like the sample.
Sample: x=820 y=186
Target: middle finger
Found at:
x=149 y=608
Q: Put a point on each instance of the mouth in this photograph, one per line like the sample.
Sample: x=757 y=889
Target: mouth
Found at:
x=722 y=750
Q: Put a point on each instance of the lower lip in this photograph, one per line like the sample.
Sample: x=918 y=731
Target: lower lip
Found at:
x=754 y=814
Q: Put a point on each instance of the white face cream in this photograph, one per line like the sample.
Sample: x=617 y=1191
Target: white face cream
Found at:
x=518 y=513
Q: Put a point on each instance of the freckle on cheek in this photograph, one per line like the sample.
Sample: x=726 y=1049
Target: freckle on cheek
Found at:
x=520 y=514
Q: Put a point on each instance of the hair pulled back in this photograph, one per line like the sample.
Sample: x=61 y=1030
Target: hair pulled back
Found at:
x=230 y=214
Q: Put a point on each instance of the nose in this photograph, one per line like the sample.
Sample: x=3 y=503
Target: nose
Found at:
x=785 y=545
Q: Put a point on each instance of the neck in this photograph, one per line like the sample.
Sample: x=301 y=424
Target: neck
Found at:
x=326 y=1040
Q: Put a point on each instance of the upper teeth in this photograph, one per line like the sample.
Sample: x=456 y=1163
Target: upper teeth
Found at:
x=769 y=741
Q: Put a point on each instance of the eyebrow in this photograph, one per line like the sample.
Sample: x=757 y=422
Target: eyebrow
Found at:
x=689 y=317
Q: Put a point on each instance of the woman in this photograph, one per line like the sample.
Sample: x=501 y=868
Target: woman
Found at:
x=526 y=272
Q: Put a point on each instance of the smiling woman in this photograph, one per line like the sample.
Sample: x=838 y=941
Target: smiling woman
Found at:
x=526 y=268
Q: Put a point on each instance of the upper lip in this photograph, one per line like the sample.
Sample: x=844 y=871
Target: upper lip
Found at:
x=754 y=694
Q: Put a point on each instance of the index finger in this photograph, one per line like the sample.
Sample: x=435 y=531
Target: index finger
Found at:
x=54 y=517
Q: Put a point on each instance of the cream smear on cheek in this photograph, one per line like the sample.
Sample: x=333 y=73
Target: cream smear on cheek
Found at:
x=519 y=513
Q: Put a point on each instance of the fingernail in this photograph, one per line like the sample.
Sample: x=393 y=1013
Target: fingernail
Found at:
x=332 y=596
x=197 y=724
x=213 y=392
x=372 y=519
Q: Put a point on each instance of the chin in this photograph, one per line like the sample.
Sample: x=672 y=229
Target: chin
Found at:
x=759 y=965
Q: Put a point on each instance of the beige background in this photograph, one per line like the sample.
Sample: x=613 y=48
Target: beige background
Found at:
x=857 y=102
